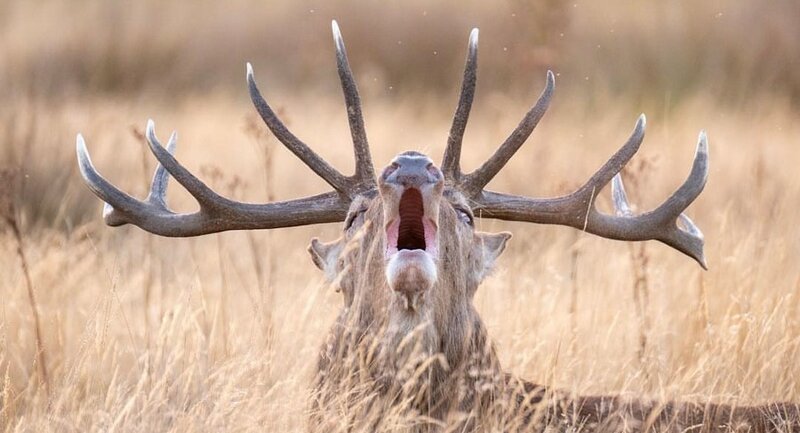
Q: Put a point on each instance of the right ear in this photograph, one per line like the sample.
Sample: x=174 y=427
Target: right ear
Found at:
x=491 y=246
x=325 y=255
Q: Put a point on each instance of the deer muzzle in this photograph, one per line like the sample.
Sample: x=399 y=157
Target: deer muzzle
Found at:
x=411 y=190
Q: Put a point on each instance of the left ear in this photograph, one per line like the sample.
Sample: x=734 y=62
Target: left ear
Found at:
x=325 y=256
x=490 y=246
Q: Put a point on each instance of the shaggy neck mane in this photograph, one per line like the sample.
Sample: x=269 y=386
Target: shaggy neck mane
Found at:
x=445 y=321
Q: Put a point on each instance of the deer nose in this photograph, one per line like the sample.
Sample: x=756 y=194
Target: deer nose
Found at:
x=412 y=170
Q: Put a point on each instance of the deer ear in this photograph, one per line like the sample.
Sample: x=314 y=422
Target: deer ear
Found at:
x=325 y=256
x=491 y=245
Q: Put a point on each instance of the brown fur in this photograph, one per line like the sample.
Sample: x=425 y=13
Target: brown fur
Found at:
x=536 y=408
x=434 y=369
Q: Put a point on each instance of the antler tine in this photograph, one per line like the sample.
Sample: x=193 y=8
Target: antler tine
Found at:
x=475 y=181
x=691 y=228
x=204 y=195
x=617 y=161
x=694 y=184
x=619 y=197
x=158 y=187
x=451 y=163
x=365 y=172
x=688 y=239
x=105 y=189
x=324 y=170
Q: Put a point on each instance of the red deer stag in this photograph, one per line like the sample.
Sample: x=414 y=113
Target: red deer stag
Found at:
x=408 y=350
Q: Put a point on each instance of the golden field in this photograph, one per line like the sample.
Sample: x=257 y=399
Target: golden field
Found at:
x=221 y=333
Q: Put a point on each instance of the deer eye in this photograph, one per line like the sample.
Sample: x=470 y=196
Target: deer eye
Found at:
x=465 y=216
x=353 y=217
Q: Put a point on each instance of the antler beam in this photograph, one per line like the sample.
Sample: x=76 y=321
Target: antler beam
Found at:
x=579 y=209
x=217 y=213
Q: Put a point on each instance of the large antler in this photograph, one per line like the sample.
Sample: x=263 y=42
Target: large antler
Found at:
x=217 y=213
x=578 y=209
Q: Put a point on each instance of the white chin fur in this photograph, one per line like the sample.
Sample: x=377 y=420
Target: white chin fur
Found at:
x=411 y=271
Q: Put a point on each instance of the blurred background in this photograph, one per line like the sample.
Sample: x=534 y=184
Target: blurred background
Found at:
x=657 y=52
x=164 y=58
x=139 y=333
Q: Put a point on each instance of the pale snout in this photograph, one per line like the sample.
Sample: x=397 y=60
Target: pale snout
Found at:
x=411 y=189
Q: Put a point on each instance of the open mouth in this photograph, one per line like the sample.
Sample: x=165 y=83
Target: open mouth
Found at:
x=411 y=234
x=411 y=230
x=411 y=246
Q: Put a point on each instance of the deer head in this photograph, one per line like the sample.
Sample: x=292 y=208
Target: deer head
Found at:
x=409 y=244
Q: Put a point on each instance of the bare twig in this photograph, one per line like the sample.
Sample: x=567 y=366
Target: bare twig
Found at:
x=266 y=277
x=147 y=284
x=573 y=303
x=8 y=212
x=8 y=409
x=640 y=260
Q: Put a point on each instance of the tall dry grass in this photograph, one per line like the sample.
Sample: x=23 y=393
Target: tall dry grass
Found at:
x=221 y=333
x=729 y=334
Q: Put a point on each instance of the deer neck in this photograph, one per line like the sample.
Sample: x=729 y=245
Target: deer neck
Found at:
x=439 y=331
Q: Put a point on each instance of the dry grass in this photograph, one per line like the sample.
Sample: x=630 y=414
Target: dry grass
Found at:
x=728 y=334
x=221 y=333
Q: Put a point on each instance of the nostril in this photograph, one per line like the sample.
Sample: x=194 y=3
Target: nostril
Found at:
x=410 y=180
x=434 y=171
x=391 y=168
